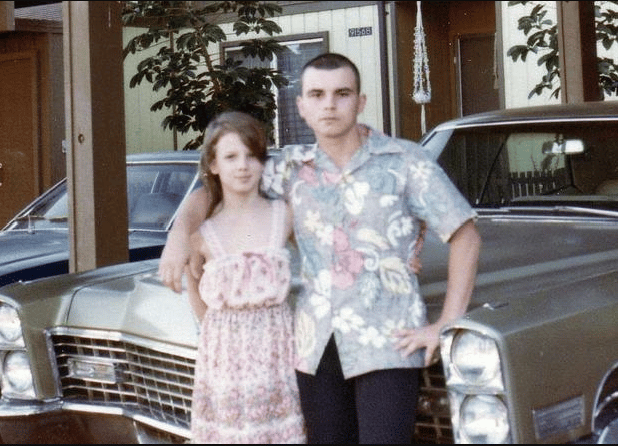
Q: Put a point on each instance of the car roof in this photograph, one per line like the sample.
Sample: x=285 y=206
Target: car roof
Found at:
x=605 y=110
x=165 y=156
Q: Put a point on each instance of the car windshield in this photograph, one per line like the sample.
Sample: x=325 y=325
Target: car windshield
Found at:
x=154 y=192
x=557 y=164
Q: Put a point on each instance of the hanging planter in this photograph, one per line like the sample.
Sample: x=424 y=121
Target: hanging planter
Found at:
x=422 y=88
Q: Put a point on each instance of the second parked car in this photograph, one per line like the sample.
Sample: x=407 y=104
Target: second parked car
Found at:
x=35 y=242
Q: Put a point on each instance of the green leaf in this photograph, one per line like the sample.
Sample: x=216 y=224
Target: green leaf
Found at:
x=518 y=51
x=241 y=28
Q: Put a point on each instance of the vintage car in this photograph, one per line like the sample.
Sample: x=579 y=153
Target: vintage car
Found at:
x=35 y=242
x=108 y=355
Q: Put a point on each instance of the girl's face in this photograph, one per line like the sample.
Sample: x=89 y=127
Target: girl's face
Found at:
x=238 y=169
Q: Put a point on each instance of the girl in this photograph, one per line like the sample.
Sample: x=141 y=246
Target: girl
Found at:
x=245 y=387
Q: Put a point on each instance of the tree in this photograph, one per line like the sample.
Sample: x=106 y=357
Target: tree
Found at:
x=199 y=88
x=542 y=41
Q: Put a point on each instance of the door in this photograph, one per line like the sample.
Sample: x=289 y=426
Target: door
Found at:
x=478 y=90
x=19 y=140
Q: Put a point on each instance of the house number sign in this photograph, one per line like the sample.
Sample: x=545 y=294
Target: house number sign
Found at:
x=359 y=32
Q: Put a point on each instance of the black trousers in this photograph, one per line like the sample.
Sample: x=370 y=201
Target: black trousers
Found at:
x=377 y=407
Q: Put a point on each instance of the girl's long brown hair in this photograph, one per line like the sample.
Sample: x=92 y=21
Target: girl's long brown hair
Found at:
x=252 y=134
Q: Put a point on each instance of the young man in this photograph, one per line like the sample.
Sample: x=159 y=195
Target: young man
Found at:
x=358 y=198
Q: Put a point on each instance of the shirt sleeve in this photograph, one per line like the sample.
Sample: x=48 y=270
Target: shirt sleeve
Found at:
x=434 y=198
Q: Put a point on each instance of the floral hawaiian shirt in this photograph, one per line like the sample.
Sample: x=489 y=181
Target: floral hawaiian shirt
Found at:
x=355 y=228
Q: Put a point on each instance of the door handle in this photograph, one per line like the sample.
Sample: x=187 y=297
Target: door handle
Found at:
x=1 y=175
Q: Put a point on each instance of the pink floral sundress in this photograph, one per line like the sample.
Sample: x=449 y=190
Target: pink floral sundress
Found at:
x=245 y=386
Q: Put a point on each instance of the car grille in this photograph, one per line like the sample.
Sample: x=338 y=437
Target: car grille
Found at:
x=157 y=385
x=433 y=418
x=144 y=382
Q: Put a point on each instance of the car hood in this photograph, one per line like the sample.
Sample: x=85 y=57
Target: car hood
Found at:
x=126 y=298
x=22 y=249
x=137 y=305
x=21 y=245
x=522 y=254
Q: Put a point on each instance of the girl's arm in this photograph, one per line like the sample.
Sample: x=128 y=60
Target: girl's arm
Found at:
x=176 y=252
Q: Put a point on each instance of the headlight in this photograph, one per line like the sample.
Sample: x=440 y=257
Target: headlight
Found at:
x=16 y=376
x=10 y=327
x=484 y=419
x=476 y=390
x=475 y=359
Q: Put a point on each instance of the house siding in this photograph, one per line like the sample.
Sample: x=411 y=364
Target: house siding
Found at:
x=144 y=132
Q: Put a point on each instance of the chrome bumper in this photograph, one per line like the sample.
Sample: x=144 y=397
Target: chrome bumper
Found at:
x=29 y=422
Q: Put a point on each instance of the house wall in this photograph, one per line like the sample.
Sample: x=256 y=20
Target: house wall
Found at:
x=521 y=77
x=144 y=132
x=32 y=126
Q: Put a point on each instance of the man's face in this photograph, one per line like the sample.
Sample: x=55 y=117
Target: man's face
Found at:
x=330 y=103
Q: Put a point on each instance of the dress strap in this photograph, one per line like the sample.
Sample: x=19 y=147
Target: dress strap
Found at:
x=278 y=217
x=211 y=238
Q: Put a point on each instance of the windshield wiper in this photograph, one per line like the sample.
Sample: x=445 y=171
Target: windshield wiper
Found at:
x=31 y=217
x=34 y=217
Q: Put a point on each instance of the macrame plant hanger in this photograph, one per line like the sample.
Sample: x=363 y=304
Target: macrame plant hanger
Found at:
x=422 y=88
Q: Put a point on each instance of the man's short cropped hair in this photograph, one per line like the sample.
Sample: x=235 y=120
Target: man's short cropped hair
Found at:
x=332 y=61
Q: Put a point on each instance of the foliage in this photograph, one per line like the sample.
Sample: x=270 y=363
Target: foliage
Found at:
x=542 y=41
x=199 y=88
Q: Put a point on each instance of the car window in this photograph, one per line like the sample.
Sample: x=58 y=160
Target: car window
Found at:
x=154 y=192
x=494 y=166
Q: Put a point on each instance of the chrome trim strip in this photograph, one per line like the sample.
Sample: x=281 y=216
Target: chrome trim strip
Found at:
x=51 y=356
x=119 y=411
x=508 y=215
x=108 y=335
x=20 y=408
x=506 y=122
x=165 y=161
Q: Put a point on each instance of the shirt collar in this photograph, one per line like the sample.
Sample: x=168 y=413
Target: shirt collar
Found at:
x=379 y=143
x=375 y=142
